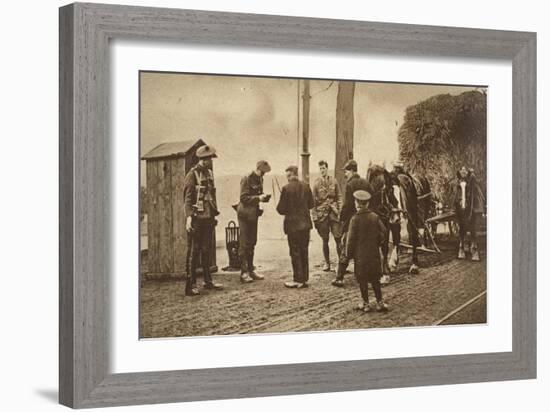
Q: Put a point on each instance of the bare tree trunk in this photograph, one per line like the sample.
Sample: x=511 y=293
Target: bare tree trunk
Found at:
x=344 y=128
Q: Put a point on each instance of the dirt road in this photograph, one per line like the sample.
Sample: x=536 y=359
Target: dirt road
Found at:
x=443 y=284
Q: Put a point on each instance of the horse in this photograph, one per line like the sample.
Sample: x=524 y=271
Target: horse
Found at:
x=426 y=204
x=393 y=197
x=407 y=197
x=384 y=203
x=469 y=205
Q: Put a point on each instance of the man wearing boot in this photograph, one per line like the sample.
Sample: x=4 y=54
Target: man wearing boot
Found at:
x=366 y=236
x=354 y=182
x=294 y=204
x=469 y=206
x=248 y=212
x=328 y=202
x=199 y=194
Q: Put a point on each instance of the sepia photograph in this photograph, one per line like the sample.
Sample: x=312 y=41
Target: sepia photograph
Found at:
x=283 y=205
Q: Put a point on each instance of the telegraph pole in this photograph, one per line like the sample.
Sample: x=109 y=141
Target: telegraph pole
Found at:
x=305 y=132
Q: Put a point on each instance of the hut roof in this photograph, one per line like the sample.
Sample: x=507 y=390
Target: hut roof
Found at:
x=173 y=149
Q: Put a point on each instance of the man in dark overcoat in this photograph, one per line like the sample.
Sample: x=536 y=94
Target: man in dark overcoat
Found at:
x=199 y=198
x=295 y=204
x=366 y=235
x=248 y=212
x=354 y=182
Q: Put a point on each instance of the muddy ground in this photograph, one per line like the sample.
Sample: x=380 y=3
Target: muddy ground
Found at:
x=443 y=284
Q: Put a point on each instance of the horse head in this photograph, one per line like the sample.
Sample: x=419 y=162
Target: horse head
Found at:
x=383 y=198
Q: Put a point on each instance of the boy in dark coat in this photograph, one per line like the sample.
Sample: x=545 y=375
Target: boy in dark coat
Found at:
x=365 y=237
x=354 y=182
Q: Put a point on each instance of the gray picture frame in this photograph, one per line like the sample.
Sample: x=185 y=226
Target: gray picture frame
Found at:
x=84 y=358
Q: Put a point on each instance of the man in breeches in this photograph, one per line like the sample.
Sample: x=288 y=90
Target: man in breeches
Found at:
x=469 y=205
x=248 y=212
x=199 y=195
x=328 y=202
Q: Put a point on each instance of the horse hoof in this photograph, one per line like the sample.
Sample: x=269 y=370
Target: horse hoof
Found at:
x=384 y=280
x=413 y=270
x=461 y=254
x=475 y=257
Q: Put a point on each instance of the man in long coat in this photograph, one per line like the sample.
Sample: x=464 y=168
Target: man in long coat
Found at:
x=294 y=204
x=366 y=236
x=248 y=212
x=354 y=182
x=199 y=198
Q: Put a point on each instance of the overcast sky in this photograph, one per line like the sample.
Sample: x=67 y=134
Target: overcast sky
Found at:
x=248 y=118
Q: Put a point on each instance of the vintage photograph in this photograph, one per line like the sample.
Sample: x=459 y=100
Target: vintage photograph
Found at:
x=277 y=205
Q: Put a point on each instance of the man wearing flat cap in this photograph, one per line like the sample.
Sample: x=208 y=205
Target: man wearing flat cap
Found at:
x=199 y=197
x=366 y=235
x=354 y=182
x=248 y=212
x=294 y=204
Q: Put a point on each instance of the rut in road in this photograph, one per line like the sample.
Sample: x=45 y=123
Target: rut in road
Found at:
x=266 y=306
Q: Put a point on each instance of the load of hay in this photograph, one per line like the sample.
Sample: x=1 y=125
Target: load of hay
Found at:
x=443 y=133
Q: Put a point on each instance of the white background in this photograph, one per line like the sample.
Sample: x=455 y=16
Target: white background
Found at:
x=28 y=303
x=132 y=355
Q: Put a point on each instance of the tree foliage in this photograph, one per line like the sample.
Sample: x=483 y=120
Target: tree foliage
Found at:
x=443 y=133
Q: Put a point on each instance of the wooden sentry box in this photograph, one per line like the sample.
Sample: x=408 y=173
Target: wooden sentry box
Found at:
x=167 y=165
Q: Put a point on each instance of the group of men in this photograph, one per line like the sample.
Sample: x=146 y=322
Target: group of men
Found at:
x=358 y=232
x=346 y=217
